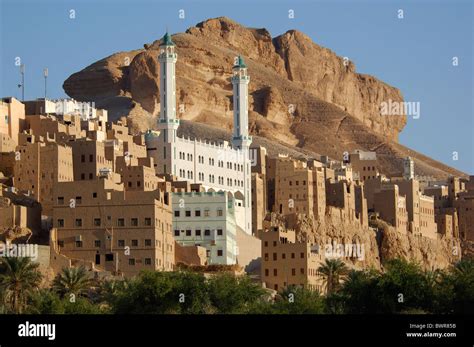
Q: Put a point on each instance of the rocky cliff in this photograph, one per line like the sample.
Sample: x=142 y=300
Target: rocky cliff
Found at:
x=374 y=244
x=301 y=94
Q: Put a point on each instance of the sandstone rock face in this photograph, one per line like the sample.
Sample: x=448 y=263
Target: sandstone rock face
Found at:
x=333 y=79
x=300 y=94
x=377 y=244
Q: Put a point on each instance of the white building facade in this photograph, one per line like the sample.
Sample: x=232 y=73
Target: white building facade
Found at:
x=209 y=220
x=221 y=166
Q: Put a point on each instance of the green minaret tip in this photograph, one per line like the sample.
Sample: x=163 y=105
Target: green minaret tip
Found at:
x=167 y=41
x=240 y=63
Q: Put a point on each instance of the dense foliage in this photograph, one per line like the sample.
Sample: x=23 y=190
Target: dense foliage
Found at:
x=402 y=287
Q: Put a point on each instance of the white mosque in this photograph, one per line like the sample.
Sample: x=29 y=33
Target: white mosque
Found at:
x=217 y=166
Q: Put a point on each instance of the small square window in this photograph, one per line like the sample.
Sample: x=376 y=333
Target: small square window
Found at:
x=131 y=261
x=78 y=222
x=134 y=222
x=188 y=213
x=220 y=252
x=135 y=243
x=121 y=243
x=121 y=222
x=219 y=232
x=207 y=232
x=176 y=233
x=147 y=261
x=197 y=213
x=147 y=221
x=147 y=242
x=176 y=213
x=97 y=243
x=198 y=232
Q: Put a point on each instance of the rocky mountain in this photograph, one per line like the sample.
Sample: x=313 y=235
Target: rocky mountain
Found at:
x=302 y=96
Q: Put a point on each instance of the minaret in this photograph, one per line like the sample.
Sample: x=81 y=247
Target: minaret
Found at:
x=240 y=138
x=408 y=168
x=168 y=123
x=240 y=81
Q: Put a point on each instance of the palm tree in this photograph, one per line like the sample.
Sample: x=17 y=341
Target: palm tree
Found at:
x=71 y=281
x=333 y=271
x=19 y=276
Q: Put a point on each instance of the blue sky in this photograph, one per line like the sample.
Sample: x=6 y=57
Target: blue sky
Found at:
x=413 y=54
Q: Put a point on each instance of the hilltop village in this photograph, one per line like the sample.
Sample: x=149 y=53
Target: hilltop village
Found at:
x=95 y=194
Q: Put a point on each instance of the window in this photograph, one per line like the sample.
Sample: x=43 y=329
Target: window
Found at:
x=135 y=243
x=188 y=232
x=219 y=213
x=265 y=244
x=207 y=232
x=131 y=261
x=176 y=213
x=134 y=222
x=302 y=255
x=60 y=200
x=121 y=243
x=188 y=213
x=219 y=232
x=78 y=222
x=206 y=213
x=198 y=232
x=94 y=195
x=283 y=256
x=219 y=252
x=97 y=243
x=97 y=222
x=147 y=221
x=121 y=222
x=60 y=223
x=176 y=233
x=274 y=256
x=292 y=255
x=266 y=256
x=147 y=261
x=91 y=158
x=302 y=271
x=109 y=257
x=266 y=272
x=83 y=158
x=197 y=213
x=79 y=244
x=293 y=272
x=78 y=200
x=60 y=243
x=275 y=272
x=148 y=242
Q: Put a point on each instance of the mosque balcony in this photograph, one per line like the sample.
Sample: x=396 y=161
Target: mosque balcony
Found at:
x=243 y=138
x=240 y=78
x=168 y=121
x=168 y=55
